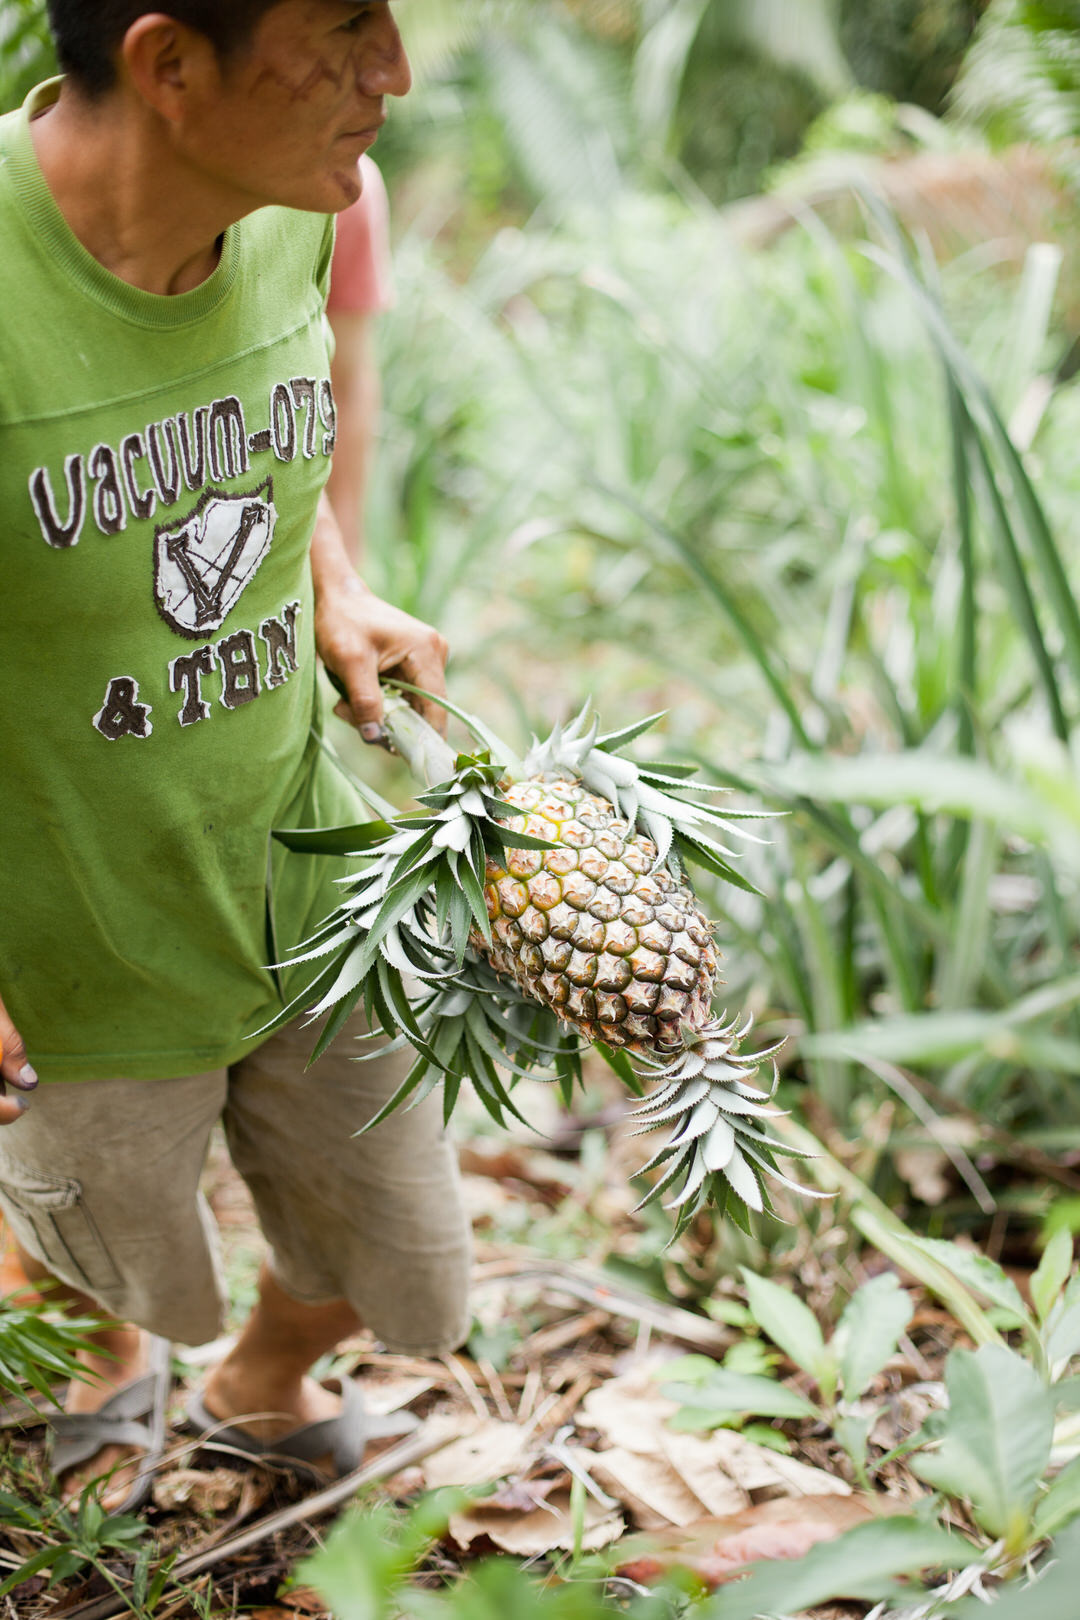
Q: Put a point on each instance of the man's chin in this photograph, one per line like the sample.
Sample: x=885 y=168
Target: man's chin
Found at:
x=330 y=194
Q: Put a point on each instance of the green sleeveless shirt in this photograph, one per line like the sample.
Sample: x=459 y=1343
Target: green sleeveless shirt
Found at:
x=161 y=460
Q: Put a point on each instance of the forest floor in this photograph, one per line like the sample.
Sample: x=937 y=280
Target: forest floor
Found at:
x=582 y=1319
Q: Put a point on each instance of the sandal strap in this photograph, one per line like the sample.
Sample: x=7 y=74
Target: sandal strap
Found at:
x=81 y=1435
x=132 y=1416
x=343 y=1437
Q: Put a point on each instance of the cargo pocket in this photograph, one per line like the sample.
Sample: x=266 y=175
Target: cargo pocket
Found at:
x=48 y=1216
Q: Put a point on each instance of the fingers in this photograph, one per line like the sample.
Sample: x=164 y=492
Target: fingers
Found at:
x=15 y=1071
x=365 y=706
x=361 y=637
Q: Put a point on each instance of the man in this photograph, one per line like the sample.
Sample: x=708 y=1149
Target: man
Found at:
x=170 y=568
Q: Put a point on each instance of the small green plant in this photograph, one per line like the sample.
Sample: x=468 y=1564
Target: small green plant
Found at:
x=843 y=1367
x=992 y=1449
x=365 y=1572
x=78 y=1538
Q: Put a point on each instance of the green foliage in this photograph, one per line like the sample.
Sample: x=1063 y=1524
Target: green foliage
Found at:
x=864 y=1563
x=843 y=1368
x=26 y=52
x=555 y=104
x=79 y=1539
x=910 y=50
x=38 y=1347
x=993 y=1448
x=363 y=1570
x=1022 y=75
x=364 y=1567
x=1052 y=1598
x=1052 y=1332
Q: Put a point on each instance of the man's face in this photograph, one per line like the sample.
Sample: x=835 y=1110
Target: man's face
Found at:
x=285 y=120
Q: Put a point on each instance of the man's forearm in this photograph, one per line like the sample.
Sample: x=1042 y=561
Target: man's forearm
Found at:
x=359 y=636
x=333 y=568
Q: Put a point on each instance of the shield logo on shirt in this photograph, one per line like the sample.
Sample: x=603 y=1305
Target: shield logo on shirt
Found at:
x=203 y=562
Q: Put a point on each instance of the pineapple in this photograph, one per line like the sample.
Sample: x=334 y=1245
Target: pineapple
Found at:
x=541 y=906
x=594 y=928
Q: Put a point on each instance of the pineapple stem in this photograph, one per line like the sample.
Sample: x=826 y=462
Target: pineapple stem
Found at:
x=427 y=755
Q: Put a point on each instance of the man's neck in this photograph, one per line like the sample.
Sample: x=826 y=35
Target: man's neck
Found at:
x=127 y=198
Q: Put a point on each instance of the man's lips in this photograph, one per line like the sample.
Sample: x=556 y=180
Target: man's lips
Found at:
x=367 y=134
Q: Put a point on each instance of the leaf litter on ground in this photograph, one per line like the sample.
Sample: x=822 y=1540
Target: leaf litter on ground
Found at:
x=557 y=1421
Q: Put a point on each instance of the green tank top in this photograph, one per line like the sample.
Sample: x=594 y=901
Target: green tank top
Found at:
x=161 y=460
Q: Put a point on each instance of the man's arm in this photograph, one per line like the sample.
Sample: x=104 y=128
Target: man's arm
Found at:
x=354 y=376
x=360 y=637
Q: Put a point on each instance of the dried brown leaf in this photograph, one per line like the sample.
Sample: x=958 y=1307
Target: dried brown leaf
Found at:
x=716 y=1550
x=491 y=1451
x=630 y=1412
x=721 y=1469
x=522 y=1495
x=759 y=1468
x=648 y=1486
x=304 y=1600
x=546 y=1528
x=694 y=1459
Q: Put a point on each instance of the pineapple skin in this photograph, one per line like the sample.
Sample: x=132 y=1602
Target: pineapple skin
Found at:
x=615 y=945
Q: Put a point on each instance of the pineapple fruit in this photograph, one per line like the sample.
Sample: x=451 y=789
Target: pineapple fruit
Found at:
x=613 y=943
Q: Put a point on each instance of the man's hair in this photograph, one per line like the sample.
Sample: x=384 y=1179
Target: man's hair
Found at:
x=89 y=33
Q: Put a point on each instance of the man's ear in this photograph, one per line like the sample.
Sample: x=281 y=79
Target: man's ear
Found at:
x=165 y=61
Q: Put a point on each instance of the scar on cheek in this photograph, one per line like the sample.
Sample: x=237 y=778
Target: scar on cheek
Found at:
x=302 y=89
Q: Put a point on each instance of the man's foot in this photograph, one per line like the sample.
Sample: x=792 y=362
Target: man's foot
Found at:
x=268 y=1407
x=126 y=1357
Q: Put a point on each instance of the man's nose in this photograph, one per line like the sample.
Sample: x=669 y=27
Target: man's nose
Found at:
x=384 y=68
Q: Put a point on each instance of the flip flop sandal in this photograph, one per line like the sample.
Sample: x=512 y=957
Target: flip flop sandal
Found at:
x=344 y=1437
x=133 y=1416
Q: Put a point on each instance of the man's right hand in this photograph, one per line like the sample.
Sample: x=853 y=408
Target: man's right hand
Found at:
x=15 y=1071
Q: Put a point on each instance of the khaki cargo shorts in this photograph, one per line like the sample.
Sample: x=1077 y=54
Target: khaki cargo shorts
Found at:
x=100 y=1181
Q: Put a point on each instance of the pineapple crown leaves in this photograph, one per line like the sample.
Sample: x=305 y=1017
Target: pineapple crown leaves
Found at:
x=477 y=1025
x=719 y=1151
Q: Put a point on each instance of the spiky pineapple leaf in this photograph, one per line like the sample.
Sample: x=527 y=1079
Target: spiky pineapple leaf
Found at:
x=460 y=921
x=336 y=1021
x=474 y=897
x=334 y=840
x=612 y=741
x=498 y=837
x=697 y=853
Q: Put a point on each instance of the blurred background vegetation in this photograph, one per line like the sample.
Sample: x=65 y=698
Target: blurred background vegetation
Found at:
x=732 y=374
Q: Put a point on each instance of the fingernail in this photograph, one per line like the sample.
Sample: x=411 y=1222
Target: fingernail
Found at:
x=372 y=734
x=27 y=1077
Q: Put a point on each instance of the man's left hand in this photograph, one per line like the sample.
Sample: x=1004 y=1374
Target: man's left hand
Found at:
x=360 y=637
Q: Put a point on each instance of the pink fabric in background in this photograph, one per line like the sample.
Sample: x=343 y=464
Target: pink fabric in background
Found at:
x=360 y=277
